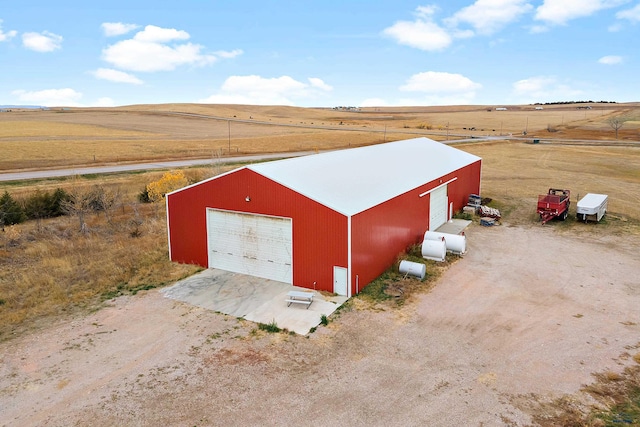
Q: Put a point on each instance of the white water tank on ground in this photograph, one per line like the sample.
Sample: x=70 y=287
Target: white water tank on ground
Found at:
x=413 y=268
x=434 y=249
x=455 y=242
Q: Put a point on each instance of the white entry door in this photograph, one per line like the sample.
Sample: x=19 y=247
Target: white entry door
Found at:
x=438 y=207
x=256 y=245
x=340 y=280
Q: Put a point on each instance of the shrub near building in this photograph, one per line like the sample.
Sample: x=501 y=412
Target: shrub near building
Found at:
x=10 y=211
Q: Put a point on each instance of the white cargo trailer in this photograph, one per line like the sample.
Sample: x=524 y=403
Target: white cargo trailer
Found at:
x=592 y=207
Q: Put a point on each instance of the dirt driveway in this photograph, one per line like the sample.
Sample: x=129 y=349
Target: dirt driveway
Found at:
x=528 y=314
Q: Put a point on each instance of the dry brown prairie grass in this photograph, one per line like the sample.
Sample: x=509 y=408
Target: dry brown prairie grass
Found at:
x=618 y=403
x=59 y=144
x=39 y=139
x=515 y=173
x=49 y=268
x=52 y=130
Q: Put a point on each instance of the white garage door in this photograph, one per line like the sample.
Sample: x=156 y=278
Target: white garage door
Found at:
x=438 y=207
x=256 y=245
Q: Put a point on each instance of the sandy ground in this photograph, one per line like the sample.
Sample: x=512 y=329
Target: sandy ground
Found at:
x=528 y=314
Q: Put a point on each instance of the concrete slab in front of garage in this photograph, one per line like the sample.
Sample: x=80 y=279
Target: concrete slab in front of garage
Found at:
x=252 y=298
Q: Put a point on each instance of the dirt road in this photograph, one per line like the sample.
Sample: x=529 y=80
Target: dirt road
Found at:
x=528 y=314
x=129 y=167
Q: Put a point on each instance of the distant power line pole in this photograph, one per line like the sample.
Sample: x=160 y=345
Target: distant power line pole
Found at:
x=229 y=130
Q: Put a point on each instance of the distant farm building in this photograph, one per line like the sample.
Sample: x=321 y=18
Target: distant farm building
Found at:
x=332 y=221
x=501 y=108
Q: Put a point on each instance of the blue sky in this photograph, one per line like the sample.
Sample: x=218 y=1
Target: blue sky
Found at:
x=318 y=53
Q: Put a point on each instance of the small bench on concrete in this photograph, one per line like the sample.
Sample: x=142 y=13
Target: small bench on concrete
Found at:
x=297 y=297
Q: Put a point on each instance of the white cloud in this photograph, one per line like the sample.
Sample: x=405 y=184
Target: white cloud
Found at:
x=153 y=34
x=425 y=12
x=533 y=84
x=149 y=51
x=50 y=97
x=258 y=90
x=610 y=60
x=489 y=16
x=441 y=99
x=423 y=33
x=543 y=89
x=484 y=16
x=632 y=14
x=116 y=76
x=42 y=42
x=537 y=29
x=433 y=82
x=105 y=102
x=112 y=29
x=228 y=54
x=8 y=35
x=440 y=88
x=558 y=12
x=318 y=83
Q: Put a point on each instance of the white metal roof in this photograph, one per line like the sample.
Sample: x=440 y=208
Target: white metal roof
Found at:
x=353 y=180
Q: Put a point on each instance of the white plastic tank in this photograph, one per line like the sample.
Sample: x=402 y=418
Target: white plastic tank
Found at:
x=413 y=268
x=434 y=249
x=455 y=242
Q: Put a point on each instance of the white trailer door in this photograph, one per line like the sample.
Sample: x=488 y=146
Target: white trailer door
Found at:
x=438 y=207
x=256 y=245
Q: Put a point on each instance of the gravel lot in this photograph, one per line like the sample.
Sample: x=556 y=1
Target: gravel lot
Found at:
x=529 y=314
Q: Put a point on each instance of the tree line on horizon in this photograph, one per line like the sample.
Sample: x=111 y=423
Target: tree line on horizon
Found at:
x=575 y=102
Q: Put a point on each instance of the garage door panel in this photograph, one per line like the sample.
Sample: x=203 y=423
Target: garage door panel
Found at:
x=251 y=244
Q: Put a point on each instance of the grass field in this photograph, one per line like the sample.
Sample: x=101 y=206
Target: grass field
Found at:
x=35 y=139
x=516 y=173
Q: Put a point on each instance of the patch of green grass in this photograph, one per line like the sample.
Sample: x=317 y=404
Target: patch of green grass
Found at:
x=344 y=308
x=139 y=288
x=269 y=327
x=118 y=291
x=122 y=289
x=374 y=291
x=505 y=208
x=324 y=320
x=625 y=413
x=463 y=215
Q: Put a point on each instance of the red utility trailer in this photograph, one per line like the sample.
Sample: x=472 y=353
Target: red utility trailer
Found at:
x=554 y=204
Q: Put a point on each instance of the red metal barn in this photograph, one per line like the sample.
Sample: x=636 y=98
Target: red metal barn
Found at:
x=332 y=221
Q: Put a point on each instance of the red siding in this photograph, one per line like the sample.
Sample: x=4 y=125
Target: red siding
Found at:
x=468 y=182
x=319 y=234
x=379 y=234
x=385 y=231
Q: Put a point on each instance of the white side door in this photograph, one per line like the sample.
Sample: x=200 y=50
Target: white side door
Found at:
x=340 y=280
